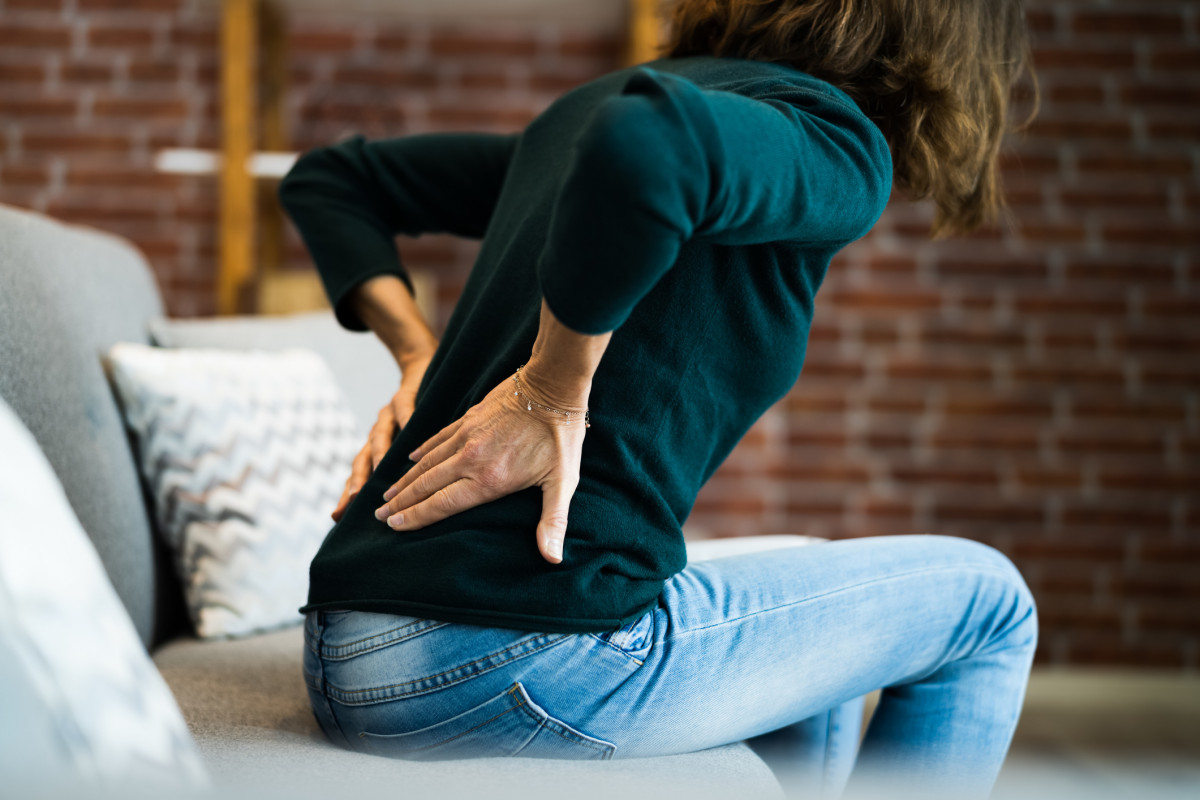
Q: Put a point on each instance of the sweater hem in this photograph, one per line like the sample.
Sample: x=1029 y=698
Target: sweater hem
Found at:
x=483 y=617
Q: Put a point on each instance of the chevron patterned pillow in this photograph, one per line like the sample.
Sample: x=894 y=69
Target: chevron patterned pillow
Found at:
x=245 y=453
x=83 y=706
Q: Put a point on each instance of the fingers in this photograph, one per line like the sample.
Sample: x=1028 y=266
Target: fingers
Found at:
x=431 y=459
x=446 y=501
x=427 y=483
x=435 y=440
x=380 y=438
x=360 y=471
x=552 y=528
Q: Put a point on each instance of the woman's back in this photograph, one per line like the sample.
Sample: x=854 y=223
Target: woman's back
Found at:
x=692 y=204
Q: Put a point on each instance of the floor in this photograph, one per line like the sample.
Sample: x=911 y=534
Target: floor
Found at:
x=1106 y=734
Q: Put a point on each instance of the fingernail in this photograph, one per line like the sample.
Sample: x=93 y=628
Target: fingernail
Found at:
x=412 y=456
x=390 y=493
x=381 y=513
x=555 y=549
x=395 y=520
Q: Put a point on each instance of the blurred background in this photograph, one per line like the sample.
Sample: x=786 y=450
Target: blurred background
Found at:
x=1035 y=386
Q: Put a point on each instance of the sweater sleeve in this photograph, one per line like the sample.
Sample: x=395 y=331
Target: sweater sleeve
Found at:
x=350 y=200
x=665 y=161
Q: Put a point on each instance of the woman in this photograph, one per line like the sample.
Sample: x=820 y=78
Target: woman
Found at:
x=507 y=573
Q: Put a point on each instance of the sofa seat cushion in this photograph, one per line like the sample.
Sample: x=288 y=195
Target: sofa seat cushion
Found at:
x=247 y=708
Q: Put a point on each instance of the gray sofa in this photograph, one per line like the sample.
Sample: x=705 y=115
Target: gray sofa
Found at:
x=66 y=294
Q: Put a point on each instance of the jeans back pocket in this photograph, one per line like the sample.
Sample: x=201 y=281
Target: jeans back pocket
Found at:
x=509 y=724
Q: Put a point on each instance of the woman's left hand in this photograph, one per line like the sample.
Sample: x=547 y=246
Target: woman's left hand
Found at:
x=498 y=447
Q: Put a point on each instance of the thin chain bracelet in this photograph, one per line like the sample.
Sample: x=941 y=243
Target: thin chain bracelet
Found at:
x=530 y=403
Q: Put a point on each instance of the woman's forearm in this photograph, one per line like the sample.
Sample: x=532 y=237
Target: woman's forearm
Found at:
x=560 y=370
x=386 y=307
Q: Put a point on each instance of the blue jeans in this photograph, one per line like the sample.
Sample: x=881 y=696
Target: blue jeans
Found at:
x=777 y=647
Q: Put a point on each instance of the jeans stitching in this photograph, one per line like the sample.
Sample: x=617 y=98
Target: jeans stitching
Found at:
x=343 y=652
x=559 y=729
x=510 y=709
x=634 y=659
x=336 y=691
x=922 y=571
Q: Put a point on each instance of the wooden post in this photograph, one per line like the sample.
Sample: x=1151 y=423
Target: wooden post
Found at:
x=237 y=206
x=272 y=124
x=645 y=29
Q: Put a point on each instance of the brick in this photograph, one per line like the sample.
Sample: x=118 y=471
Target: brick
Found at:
x=1039 y=21
x=1128 y=24
x=1173 y=130
x=948 y=474
x=321 y=40
x=1157 y=233
x=1047 y=551
x=140 y=107
x=959 y=369
x=449 y=42
x=37 y=107
x=999 y=435
x=589 y=45
x=47 y=36
x=965 y=402
x=1070 y=303
x=1006 y=268
x=826 y=471
x=121 y=178
x=1185 y=375
x=11 y=74
x=1171 y=166
x=1143 y=94
x=129 y=5
x=1125 y=443
x=58 y=143
x=120 y=37
x=1071 y=94
x=86 y=72
x=154 y=71
x=1153 y=197
x=201 y=36
x=1152 y=481
x=1108 y=650
x=1172 y=304
x=1047 y=58
x=1036 y=477
x=956 y=336
x=484 y=79
x=396 y=78
x=22 y=175
x=1108 y=130
x=1168 y=60
x=1182 y=555
x=875 y=300
x=1092 y=409
x=556 y=83
x=1168 y=617
x=987 y=508
x=1076 y=615
x=1175 y=582
x=393 y=40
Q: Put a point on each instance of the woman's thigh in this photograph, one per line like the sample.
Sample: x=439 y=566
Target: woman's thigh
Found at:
x=738 y=646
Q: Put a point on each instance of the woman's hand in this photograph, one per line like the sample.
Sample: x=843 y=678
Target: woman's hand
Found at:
x=392 y=416
x=500 y=446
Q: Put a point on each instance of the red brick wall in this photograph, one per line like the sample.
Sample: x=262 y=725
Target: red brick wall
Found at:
x=1034 y=387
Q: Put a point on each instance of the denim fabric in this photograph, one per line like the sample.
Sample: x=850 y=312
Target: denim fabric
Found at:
x=777 y=646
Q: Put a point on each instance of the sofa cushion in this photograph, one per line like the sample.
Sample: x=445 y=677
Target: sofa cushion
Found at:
x=362 y=366
x=68 y=293
x=247 y=707
x=82 y=703
x=246 y=453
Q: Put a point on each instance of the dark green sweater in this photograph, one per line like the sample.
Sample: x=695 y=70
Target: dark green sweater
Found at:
x=692 y=205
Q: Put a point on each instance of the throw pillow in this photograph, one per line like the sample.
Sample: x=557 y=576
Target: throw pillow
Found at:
x=83 y=703
x=361 y=364
x=245 y=454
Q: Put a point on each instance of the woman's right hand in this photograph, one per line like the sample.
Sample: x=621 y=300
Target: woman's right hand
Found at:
x=392 y=417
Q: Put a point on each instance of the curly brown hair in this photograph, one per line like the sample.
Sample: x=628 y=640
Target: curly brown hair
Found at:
x=936 y=76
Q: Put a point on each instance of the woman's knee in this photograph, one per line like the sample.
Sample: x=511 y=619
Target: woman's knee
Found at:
x=1001 y=587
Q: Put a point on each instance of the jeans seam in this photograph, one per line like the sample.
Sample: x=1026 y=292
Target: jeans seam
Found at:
x=831 y=593
x=339 y=652
x=632 y=658
x=451 y=682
